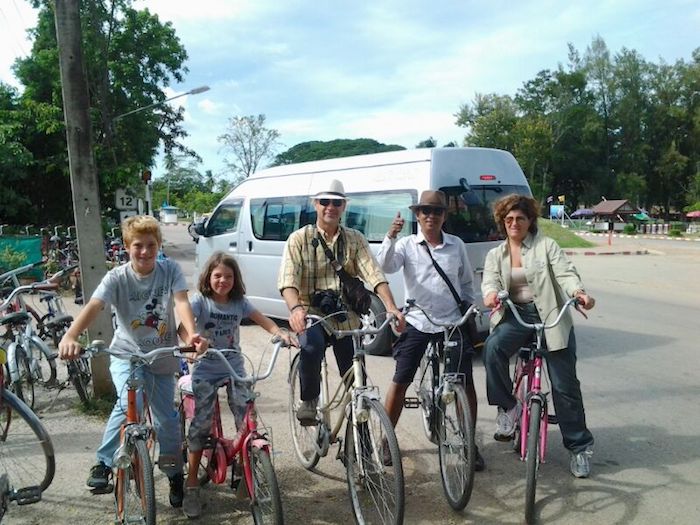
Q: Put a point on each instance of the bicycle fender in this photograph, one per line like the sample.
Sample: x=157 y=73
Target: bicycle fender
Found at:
x=12 y=361
x=41 y=345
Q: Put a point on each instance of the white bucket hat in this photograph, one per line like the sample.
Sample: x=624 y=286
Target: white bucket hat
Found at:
x=334 y=190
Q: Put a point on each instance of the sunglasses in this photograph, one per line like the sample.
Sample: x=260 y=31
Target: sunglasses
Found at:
x=431 y=210
x=335 y=202
x=519 y=219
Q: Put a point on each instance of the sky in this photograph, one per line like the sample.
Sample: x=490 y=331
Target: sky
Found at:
x=396 y=71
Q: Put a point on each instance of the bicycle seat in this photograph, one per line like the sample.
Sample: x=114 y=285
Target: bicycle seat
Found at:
x=15 y=319
x=59 y=321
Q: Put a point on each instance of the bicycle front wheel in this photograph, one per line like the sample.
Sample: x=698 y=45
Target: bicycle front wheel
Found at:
x=456 y=447
x=26 y=451
x=376 y=486
x=38 y=352
x=266 y=506
x=305 y=438
x=532 y=460
x=134 y=491
x=81 y=377
x=426 y=390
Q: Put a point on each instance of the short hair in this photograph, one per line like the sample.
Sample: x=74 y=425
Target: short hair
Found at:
x=140 y=225
x=217 y=258
x=529 y=206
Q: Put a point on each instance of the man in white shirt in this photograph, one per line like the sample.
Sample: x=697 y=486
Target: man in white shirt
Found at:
x=431 y=292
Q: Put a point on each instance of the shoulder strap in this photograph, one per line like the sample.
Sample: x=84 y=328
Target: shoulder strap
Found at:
x=329 y=253
x=442 y=273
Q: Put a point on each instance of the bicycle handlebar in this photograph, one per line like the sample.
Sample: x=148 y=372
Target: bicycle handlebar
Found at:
x=472 y=310
x=342 y=333
x=503 y=297
x=251 y=379
x=147 y=358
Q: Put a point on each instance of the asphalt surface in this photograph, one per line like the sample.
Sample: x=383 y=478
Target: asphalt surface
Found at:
x=637 y=362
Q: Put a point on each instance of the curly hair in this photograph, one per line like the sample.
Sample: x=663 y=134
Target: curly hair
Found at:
x=529 y=206
x=140 y=225
x=217 y=258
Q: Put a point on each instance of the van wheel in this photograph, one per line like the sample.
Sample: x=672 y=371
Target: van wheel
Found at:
x=379 y=344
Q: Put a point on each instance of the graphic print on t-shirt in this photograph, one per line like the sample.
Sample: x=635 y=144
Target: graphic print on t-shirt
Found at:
x=152 y=316
x=222 y=326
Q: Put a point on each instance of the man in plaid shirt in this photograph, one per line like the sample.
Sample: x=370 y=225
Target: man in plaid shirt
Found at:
x=305 y=270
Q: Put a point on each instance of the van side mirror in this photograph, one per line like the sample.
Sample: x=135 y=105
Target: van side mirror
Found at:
x=196 y=229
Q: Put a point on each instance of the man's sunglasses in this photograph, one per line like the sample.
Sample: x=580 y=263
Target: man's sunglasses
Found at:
x=335 y=202
x=431 y=210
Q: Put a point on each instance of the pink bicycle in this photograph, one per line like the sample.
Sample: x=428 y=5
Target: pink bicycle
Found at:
x=251 y=448
x=531 y=435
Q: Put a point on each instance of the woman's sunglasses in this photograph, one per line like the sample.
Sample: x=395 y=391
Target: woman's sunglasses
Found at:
x=335 y=202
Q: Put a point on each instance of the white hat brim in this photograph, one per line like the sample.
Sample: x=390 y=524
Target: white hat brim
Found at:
x=329 y=196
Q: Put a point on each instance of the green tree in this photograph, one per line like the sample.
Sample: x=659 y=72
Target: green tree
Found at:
x=319 y=150
x=249 y=142
x=130 y=57
x=430 y=142
x=490 y=119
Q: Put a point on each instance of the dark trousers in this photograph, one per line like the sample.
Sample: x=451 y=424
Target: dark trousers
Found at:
x=505 y=340
x=313 y=342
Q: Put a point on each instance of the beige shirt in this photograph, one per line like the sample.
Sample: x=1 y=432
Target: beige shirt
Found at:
x=307 y=269
x=550 y=275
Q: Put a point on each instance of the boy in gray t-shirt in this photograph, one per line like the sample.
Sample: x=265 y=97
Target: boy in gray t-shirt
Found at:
x=145 y=294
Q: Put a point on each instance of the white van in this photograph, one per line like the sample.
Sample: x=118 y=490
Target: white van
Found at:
x=254 y=220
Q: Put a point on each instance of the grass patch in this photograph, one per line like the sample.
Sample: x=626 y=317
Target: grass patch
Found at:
x=564 y=237
x=98 y=406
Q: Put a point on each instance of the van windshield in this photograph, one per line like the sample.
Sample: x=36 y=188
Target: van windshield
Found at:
x=470 y=211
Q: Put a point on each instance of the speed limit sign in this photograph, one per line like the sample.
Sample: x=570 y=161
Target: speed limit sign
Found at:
x=125 y=201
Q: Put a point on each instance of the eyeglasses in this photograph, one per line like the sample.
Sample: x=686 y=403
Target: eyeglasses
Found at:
x=519 y=219
x=335 y=202
x=431 y=210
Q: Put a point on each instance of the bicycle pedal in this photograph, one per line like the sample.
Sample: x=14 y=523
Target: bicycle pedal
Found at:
x=28 y=495
x=108 y=489
x=552 y=419
x=411 y=402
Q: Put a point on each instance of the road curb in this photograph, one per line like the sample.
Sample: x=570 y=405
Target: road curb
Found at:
x=624 y=252
x=624 y=236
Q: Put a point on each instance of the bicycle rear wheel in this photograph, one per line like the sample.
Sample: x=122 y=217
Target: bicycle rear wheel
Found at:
x=425 y=391
x=266 y=505
x=38 y=353
x=80 y=376
x=26 y=451
x=305 y=438
x=134 y=491
x=532 y=461
x=23 y=385
x=456 y=448
x=376 y=490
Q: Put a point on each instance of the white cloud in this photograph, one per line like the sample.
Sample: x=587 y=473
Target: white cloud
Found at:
x=208 y=106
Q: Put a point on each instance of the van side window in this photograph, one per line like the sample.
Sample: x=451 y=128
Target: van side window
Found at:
x=275 y=219
x=225 y=219
x=372 y=212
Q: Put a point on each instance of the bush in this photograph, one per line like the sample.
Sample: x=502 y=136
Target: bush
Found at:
x=11 y=259
x=630 y=229
x=675 y=233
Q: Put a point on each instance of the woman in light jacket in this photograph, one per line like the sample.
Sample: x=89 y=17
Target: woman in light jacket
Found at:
x=539 y=278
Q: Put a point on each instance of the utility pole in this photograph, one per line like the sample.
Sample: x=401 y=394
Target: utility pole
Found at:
x=83 y=174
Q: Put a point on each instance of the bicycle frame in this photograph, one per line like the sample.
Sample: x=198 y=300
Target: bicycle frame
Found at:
x=529 y=368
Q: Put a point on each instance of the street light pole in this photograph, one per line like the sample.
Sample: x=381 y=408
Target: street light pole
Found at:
x=195 y=91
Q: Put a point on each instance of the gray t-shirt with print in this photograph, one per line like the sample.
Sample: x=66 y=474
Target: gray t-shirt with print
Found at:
x=220 y=323
x=144 y=308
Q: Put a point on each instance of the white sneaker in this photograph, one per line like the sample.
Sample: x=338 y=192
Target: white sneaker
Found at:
x=507 y=422
x=580 y=463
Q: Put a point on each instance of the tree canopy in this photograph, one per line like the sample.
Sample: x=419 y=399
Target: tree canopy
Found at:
x=319 y=150
x=613 y=125
x=130 y=57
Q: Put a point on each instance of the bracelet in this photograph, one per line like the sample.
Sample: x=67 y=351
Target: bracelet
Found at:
x=295 y=307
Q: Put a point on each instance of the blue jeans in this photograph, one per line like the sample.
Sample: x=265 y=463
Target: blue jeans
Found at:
x=160 y=389
x=504 y=341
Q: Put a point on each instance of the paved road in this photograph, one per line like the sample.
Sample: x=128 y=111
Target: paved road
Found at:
x=638 y=364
